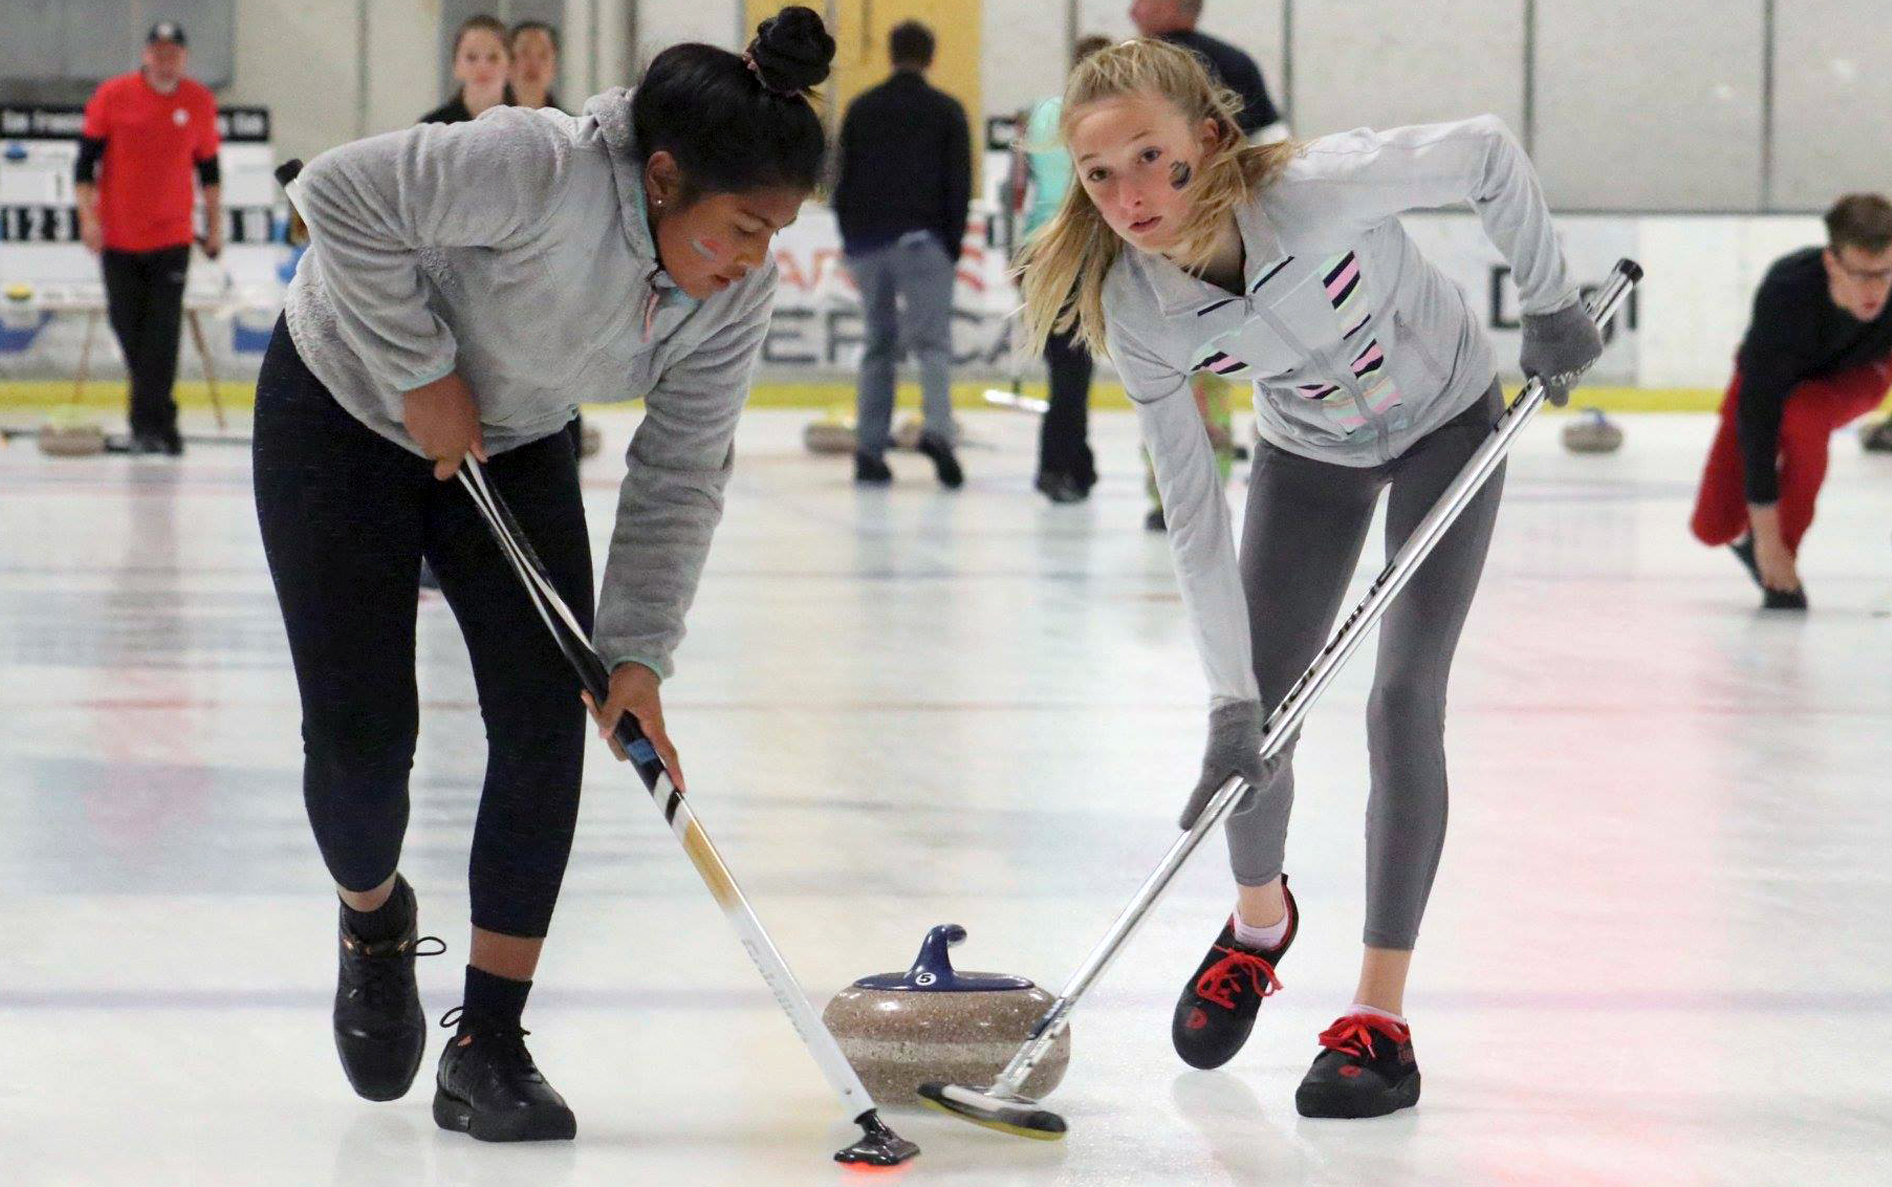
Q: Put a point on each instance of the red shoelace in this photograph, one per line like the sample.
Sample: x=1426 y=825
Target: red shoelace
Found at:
x=1221 y=981
x=1354 y=1034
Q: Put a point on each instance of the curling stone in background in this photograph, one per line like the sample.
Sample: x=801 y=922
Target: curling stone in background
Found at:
x=833 y=433
x=1592 y=432
x=590 y=439
x=900 y=1030
x=71 y=433
x=906 y=434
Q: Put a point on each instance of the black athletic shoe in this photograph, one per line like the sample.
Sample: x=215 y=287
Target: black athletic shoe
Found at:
x=1771 y=599
x=1784 y=599
x=145 y=443
x=1155 y=521
x=1217 y=1008
x=1367 y=1070
x=871 y=471
x=489 y=1087
x=950 y=475
x=1878 y=439
x=380 y=1032
x=1062 y=488
x=1743 y=550
x=172 y=442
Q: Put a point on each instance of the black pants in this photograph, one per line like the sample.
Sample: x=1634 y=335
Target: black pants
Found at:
x=1063 y=437
x=144 y=297
x=346 y=517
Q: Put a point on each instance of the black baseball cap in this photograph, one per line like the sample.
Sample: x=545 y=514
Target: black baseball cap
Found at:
x=169 y=31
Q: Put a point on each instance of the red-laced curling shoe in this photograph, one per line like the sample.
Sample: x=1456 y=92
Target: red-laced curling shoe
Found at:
x=1217 y=1009
x=1366 y=1069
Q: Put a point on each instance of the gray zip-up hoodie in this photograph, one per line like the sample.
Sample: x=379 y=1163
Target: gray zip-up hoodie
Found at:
x=516 y=250
x=1356 y=345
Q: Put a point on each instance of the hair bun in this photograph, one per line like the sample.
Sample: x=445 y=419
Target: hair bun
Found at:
x=792 y=50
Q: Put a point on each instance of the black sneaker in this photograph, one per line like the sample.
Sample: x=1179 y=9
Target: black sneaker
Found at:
x=1154 y=521
x=380 y=1032
x=1217 y=1008
x=871 y=471
x=1062 y=488
x=489 y=1087
x=1784 y=599
x=172 y=442
x=1367 y=1070
x=1771 y=599
x=950 y=475
x=1743 y=550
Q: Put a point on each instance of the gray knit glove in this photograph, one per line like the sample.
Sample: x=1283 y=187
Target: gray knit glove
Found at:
x=1234 y=747
x=1558 y=348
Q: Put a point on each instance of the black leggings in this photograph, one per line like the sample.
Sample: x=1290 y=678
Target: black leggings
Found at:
x=346 y=517
x=144 y=297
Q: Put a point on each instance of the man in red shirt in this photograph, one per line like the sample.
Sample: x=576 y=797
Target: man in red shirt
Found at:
x=145 y=133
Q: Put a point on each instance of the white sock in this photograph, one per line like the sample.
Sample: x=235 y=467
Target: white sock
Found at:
x=1266 y=938
x=1375 y=1012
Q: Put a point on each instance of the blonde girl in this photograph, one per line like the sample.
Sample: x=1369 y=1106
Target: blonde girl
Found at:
x=1186 y=250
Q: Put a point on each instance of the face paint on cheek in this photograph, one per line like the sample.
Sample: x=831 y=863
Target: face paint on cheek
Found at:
x=709 y=249
x=1179 y=175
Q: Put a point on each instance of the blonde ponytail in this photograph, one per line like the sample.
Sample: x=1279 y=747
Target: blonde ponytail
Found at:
x=1061 y=271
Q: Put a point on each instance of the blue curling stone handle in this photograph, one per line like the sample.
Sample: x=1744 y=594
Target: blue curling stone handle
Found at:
x=933 y=971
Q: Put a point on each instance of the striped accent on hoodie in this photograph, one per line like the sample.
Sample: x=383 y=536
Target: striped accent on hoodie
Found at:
x=1221 y=364
x=1369 y=360
x=1271 y=273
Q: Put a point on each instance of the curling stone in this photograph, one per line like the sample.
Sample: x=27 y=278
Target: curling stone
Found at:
x=932 y=1022
x=833 y=433
x=1878 y=438
x=906 y=434
x=590 y=440
x=1592 y=432
x=71 y=439
x=19 y=294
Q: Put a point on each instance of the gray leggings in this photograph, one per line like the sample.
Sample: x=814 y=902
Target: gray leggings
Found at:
x=1307 y=521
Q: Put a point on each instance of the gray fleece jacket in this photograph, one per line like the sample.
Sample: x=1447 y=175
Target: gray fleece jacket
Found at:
x=1356 y=345
x=516 y=249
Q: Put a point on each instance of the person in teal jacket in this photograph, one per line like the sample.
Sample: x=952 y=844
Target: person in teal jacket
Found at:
x=1066 y=468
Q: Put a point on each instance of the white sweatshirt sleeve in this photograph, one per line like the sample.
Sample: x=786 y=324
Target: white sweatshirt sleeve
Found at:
x=1201 y=539
x=1361 y=178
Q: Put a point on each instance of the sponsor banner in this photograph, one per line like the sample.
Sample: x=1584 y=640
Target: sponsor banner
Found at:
x=817 y=324
x=49 y=283
x=1678 y=330
x=238 y=125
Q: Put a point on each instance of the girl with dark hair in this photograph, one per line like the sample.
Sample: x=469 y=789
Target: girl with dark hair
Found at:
x=466 y=285
x=534 y=49
x=481 y=58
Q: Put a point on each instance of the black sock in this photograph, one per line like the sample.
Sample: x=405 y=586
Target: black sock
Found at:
x=492 y=1000
x=389 y=921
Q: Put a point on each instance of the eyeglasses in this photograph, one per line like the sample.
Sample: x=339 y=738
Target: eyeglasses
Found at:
x=1864 y=275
